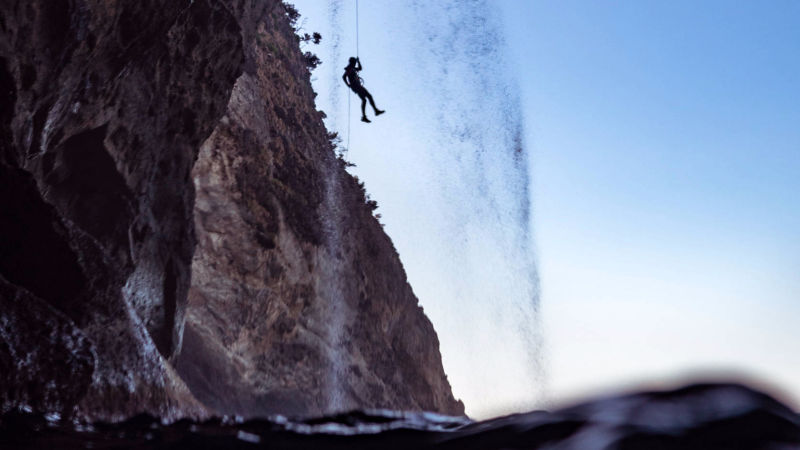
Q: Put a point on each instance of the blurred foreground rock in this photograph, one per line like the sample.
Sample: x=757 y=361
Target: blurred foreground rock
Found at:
x=698 y=417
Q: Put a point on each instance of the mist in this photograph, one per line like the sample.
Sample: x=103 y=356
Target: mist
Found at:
x=449 y=168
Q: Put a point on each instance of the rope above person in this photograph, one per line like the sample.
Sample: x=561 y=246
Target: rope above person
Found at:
x=355 y=83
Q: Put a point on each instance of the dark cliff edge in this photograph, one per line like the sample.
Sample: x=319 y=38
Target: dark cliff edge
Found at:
x=177 y=236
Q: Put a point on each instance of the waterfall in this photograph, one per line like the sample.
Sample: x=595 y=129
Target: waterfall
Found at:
x=331 y=288
x=449 y=167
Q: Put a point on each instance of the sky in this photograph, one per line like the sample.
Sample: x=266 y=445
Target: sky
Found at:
x=587 y=196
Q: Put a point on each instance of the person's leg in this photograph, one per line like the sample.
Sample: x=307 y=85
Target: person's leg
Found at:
x=378 y=112
x=363 y=106
x=371 y=101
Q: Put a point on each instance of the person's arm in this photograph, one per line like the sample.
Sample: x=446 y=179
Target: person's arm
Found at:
x=344 y=77
x=358 y=64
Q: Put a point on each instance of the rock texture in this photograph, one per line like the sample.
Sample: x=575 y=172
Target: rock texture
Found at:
x=105 y=104
x=299 y=303
x=295 y=299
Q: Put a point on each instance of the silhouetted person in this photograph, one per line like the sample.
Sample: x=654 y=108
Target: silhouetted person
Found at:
x=353 y=81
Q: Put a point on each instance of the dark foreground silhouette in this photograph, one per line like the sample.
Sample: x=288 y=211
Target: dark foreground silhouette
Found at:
x=354 y=82
x=703 y=416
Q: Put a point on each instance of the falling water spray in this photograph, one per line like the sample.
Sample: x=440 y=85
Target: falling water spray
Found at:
x=449 y=166
x=332 y=289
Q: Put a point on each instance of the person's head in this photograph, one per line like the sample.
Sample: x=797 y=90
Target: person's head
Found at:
x=352 y=61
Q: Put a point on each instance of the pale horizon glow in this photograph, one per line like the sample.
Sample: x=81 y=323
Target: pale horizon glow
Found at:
x=664 y=145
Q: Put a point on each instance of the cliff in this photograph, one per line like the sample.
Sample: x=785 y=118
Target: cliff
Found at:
x=298 y=300
x=121 y=290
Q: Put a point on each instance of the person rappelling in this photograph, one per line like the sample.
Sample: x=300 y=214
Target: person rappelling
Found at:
x=354 y=82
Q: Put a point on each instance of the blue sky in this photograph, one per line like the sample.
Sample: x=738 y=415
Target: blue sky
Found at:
x=663 y=143
x=666 y=152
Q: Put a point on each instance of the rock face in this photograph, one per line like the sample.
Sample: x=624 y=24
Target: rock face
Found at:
x=104 y=107
x=299 y=303
x=295 y=299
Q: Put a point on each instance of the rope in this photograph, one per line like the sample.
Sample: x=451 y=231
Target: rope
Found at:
x=349 y=94
x=349 y=91
x=356 y=28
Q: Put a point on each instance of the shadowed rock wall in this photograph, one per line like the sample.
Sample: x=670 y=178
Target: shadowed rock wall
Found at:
x=104 y=107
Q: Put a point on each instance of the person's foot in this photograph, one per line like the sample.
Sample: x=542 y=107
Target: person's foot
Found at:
x=378 y=112
x=364 y=119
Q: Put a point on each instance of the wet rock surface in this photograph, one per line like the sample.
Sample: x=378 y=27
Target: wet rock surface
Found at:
x=104 y=106
x=706 y=416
